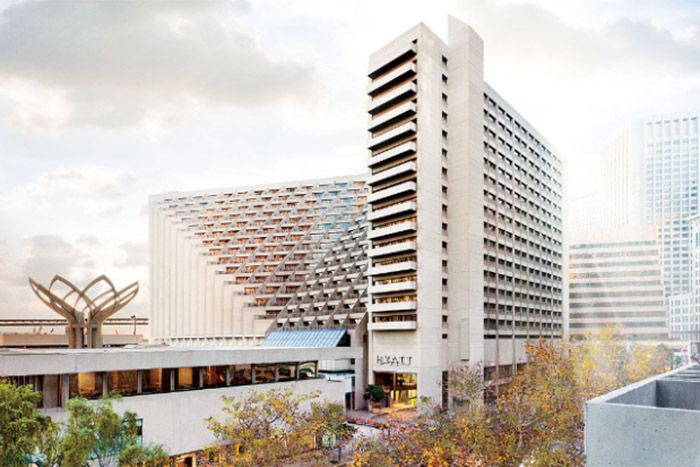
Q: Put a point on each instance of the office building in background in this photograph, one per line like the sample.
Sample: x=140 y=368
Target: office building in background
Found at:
x=616 y=284
x=584 y=212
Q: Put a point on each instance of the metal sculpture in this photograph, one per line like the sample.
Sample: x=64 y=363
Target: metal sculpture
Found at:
x=87 y=309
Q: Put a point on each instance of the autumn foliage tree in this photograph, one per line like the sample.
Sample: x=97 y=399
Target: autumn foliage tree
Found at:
x=536 y=420
x=273 y=427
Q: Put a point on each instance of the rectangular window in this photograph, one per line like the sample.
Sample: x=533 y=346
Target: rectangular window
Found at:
x=241 y=375
x=123 y=382
x=184 y=379
x=88 y=385
x=214 y=376
x=286 y=372
x=264 y=373
x=307 y=370
x=155 y=380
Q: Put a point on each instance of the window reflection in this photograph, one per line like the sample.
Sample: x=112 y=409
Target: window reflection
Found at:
x=264 y=374
x=184 y=379
x=88 y=385
x=214 y=376
x=241 y=374
x=286 y=372
x=307 y=370
x=123 y=382
x=156 y=380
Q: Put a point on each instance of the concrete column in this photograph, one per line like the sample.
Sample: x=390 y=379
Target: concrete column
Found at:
x=65 y=389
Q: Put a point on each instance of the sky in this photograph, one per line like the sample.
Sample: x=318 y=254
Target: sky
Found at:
x=104 y=103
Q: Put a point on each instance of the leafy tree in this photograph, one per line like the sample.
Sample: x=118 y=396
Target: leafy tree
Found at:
x=537 y=419
x=20 y=423
x=269 y=428
x=94 y=431
x=49 y=451
x=148 y=456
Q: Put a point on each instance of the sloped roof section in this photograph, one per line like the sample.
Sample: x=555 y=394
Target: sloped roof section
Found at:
x=304 y=338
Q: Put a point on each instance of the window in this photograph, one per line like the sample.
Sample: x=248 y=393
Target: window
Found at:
x=307 y=370
x=264 y=374
x=123 y=382
x=88 y=385
x=286 y=372
x=213 y=376
x=184 y=379
x=241 y=374
x=155 y=380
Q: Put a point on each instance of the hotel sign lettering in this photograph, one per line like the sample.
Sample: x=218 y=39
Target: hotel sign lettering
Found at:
x=394 y=360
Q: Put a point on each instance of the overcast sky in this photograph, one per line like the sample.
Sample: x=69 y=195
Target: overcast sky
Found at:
x=102 y=103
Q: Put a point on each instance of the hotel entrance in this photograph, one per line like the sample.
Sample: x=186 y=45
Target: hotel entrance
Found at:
x=400 y=389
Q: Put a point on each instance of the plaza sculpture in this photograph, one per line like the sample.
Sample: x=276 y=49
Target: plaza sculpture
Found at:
x=87 y=309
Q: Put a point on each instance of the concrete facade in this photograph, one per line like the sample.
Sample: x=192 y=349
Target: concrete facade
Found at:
x=449 y=252
x=61 y=374
x=480 y=194
x=650 y=423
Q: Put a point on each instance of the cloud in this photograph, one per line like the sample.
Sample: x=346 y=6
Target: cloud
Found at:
x=119 y=64
x=90 y=240
x=52 y=254
x=538 y=38
x=93 y=190
x=136 y=254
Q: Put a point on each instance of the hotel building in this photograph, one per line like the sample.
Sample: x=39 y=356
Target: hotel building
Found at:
x=448 y=253
x=616 y=283
x=465 y=216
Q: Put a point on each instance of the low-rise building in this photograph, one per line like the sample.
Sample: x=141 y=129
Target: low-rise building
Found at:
x=170 y=388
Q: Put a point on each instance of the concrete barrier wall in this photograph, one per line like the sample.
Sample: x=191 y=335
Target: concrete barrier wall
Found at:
x=629 y=435
x=678 y=394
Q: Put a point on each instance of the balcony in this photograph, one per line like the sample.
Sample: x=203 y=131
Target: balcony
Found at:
x=393 y=306
x=393 y=97
x=392 y=326
x=409 y=166
x=403 y=54
x=391 y=249
x=391 y=268
x=393 y=135
x=385 y=119
x=399 y=189
x=392 y=287
x=398 y=208
x=398 y=74
x=397 y=151
x=392 y=229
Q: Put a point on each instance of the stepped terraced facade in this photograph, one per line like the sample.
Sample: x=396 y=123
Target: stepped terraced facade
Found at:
x=448 y=253
x=226 y=265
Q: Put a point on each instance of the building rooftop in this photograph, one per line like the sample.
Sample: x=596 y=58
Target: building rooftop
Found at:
x=645 y=423
x=25 y=362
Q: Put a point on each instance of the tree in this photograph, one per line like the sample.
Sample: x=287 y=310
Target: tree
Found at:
x=49 y=450
x=149 y=456
x=94 y=431
x=537 y=419
x=20 y=423
x=269 y=428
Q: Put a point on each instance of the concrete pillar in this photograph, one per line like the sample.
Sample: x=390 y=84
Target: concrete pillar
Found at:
x=65 y=389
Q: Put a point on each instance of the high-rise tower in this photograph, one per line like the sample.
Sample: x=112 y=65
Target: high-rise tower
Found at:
x=465 y=218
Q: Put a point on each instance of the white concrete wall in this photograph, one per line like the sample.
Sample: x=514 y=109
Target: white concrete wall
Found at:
x=177 y=419
x=465 y=195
